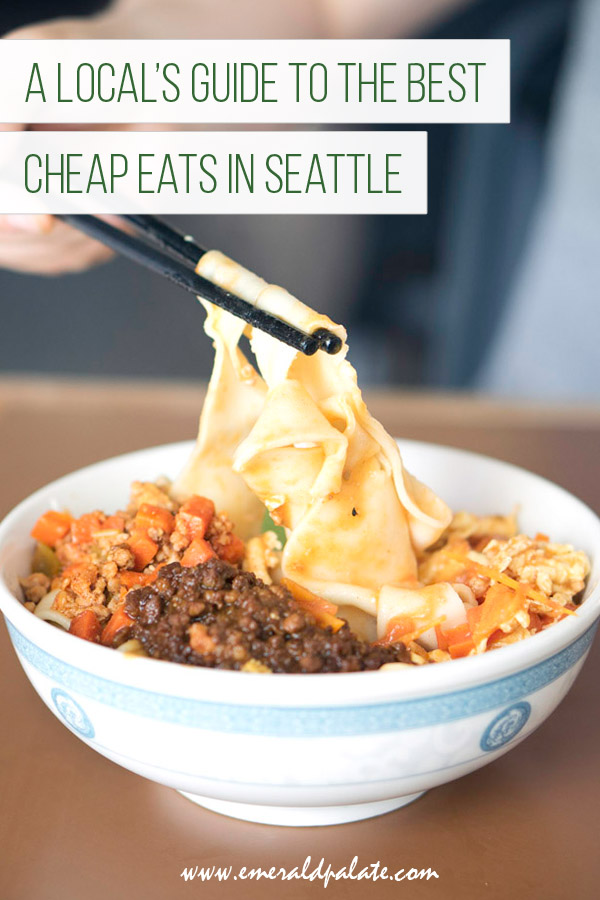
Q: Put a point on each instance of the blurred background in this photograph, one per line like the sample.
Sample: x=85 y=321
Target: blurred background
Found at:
x=495 y=290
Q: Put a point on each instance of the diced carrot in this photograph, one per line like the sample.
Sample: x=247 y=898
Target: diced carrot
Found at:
x=86 y=526
x=114 y=523
x=540 y=536
x=149 y=516
x=198 y=552
x=195 y=515
x=51 y=527
x=322 y=610
x=462 y=648
x=119 y=620
x=86 y=626
x=143 y=548
x=234 y=551
x=137 y=579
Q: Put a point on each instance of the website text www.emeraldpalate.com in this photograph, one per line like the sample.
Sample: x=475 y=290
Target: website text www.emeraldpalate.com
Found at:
x=309 y=871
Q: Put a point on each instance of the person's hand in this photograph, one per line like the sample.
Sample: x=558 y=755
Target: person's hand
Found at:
x=45 y=246
x=42 y=244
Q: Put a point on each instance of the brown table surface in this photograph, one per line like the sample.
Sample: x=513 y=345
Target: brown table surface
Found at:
x=74 y=826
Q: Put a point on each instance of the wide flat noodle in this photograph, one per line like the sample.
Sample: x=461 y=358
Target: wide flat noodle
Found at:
x=234 y=400
x=435 y=603
x=304 y=443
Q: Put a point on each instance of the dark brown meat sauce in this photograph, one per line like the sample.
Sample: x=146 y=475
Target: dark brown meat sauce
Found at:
x=218 y=616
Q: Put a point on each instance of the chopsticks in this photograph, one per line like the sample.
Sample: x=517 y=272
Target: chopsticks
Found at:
x=167 y=238
x=173 y=256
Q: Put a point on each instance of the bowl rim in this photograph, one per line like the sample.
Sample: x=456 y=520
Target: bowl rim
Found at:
x=180 y=680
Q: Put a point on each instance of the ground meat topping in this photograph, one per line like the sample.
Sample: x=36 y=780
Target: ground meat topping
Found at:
x=218 y=616
x=35 y=586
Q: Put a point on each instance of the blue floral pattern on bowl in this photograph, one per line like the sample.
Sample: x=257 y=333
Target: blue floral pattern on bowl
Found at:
x=72 y=713
x=505 y=726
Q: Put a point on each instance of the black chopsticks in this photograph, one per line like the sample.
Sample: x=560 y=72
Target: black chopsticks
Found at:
x=167 y=238
x=173 y=255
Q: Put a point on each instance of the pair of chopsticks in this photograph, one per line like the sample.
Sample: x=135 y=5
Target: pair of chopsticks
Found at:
x=174 y=255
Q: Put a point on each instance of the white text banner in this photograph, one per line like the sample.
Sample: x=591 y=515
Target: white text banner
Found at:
x=225 y=172
x=254 y=81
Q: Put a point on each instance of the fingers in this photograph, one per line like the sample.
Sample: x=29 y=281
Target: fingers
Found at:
x=46 y=246
x=41 y=244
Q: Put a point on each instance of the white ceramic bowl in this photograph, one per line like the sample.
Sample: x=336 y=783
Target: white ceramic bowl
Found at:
x=305 y=749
